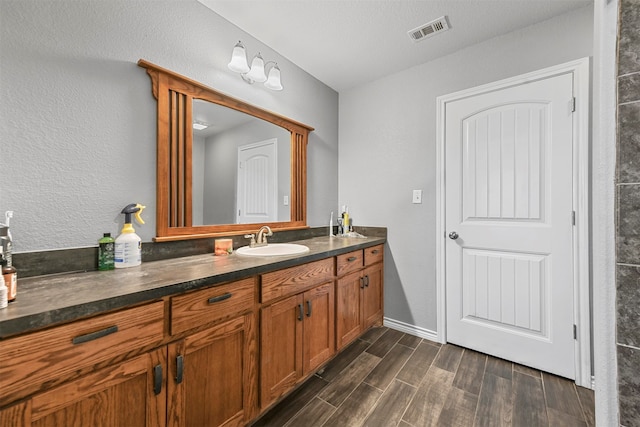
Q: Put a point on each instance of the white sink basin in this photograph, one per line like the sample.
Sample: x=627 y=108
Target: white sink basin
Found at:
x=273 y=249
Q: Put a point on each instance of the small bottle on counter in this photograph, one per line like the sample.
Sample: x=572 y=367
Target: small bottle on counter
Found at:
x=106 y=252
x=10 y=276
x=4 y=301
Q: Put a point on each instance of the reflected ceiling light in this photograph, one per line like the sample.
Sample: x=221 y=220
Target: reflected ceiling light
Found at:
x=257 y=72
x=200 y=125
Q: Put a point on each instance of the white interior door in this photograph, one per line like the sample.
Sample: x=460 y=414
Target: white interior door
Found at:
x=509 y=206
x=257 y=182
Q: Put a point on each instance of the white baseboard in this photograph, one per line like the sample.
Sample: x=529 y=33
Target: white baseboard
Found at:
x=411 y=329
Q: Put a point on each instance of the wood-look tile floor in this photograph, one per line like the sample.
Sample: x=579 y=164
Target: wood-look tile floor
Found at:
x=389 y=378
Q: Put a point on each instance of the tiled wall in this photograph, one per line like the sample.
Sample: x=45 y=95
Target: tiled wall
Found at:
x=628 y=214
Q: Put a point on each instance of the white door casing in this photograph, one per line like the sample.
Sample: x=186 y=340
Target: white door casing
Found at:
x=508 y=187
x=257 y=182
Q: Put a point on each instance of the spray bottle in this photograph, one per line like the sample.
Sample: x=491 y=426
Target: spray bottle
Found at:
x=5 y=238
x=128 y=251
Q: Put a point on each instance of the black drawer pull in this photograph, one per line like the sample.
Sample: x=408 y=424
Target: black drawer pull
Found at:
x=362 y=283
x=157 y=379
x=300 y=312
x=95 y=335
x=179 y=368
x=220 y=298
x=352 y=258
x=366 y=280
x=308 y=308
x=375 y=251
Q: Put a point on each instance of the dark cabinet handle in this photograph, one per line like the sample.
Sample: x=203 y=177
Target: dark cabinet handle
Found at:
x=95 y=335
x=300 y=311
x=179 y=368
x=220 y=298
x=352 y=258
x=362 y=283
x=366 y=280
x=375 y=251
x=308 y=308
x=157 y=379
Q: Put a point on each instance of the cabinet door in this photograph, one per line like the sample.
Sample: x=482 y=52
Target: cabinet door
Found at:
x=319 y=326
x=18 y=415
x=281 y=347
x=372 y=296
x=213 y=378
x=131 y=393
x=348 y=308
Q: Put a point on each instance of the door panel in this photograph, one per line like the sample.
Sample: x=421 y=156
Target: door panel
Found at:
x=509 y=192
x=257 y=182
x=505 y=290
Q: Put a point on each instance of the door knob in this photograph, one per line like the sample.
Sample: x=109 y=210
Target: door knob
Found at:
x=453 y=235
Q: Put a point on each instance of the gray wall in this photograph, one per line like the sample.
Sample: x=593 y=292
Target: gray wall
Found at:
x=388 y=148
x=77 y=118
x=628 y=214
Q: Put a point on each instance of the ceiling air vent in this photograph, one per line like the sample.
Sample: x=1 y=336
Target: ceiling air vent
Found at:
x=429 y=29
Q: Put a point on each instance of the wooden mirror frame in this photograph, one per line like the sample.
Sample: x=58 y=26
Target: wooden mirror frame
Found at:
x=175 y=94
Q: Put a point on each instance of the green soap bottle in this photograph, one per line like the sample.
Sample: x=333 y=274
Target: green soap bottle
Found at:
x=106 y=252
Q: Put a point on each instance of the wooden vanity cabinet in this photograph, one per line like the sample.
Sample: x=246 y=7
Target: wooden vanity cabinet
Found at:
x=359 y=293
x=212 y=378
x=193 y=359
x=89 y=372
x=297 y=326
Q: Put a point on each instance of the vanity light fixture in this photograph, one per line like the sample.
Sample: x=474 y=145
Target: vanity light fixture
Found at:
x=257 y=72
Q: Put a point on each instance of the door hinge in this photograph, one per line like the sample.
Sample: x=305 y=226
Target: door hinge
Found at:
x=575 y=332
x=573 y=104
x=573 y=217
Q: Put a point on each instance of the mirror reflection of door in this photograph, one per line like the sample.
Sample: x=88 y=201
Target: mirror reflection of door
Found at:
x=214 y=162
x=257 y=198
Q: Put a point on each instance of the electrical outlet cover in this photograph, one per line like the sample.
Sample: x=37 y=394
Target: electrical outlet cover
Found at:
x=417 y=196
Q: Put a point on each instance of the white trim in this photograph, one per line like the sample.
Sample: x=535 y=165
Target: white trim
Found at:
x=603 y=210
x=582 y=314
x=411 y=329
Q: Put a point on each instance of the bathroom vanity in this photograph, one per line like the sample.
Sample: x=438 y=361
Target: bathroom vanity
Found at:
x=198 y=340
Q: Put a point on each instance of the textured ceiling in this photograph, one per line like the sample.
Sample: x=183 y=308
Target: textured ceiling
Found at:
x=344 y=43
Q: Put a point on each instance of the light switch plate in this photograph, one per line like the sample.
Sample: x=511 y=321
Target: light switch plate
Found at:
x=286 y=200
x=417 y=196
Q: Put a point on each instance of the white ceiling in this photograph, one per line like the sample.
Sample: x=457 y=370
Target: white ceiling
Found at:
x=344 y=43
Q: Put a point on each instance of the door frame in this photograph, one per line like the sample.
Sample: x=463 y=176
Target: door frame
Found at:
x=581 y=189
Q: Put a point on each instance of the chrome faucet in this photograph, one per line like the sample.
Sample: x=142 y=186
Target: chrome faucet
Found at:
x=262 y=237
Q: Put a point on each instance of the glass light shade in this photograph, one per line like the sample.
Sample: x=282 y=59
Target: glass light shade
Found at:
x=273 y=82
x=239 y=59
x=257 y=70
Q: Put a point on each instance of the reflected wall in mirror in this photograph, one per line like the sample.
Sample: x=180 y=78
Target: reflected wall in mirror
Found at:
x=246 y=168
x=241 y=168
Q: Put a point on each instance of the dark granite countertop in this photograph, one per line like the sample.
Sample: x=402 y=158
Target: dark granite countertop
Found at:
x=48 y=300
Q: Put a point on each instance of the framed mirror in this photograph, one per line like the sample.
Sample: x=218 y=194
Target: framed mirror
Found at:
x=223 y=166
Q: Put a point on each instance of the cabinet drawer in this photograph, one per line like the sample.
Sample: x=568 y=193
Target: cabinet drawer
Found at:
x=373 y=254
x=209 y=305
x=346 y=263
x=57 y=354
x=295 y=279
